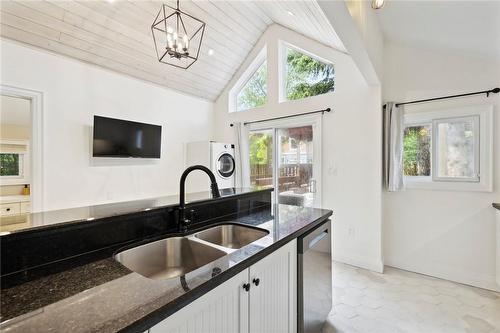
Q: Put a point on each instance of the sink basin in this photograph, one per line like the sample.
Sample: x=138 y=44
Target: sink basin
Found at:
x=168 y=258
x=232 y=236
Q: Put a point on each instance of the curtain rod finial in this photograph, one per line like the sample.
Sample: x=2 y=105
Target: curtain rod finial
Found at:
x=492 y=91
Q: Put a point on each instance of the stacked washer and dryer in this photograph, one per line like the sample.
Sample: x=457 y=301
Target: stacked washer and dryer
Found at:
x=217 y=156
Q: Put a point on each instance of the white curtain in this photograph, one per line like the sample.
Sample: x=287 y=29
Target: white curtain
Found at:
x=393 y=147
x=242 y=155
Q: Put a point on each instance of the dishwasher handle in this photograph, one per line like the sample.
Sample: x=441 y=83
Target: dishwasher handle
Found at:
x=310 y=239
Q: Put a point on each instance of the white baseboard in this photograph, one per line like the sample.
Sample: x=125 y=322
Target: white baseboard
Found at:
x=448 y=273
x=372 y=264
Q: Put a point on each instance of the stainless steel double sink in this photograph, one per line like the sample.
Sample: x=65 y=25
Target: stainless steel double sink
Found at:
x=176 y=256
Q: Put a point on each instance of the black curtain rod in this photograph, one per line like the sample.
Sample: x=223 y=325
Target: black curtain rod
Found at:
x=284 y=117
x=487 y=92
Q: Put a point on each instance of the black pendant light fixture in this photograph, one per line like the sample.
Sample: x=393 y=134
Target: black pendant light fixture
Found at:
x=177 y=36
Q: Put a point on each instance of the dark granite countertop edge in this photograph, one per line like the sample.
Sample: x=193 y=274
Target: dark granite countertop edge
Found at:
x=496 y=205
x=165 y=311
x=64 y=224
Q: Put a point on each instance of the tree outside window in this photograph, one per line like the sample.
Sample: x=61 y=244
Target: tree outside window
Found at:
x=254 y=92
x=307 y=76
x=417 y=151
x=261 y=158
x=9 y=164
x=449 y=149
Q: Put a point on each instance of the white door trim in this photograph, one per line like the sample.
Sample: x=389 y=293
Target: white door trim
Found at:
x=36 y=146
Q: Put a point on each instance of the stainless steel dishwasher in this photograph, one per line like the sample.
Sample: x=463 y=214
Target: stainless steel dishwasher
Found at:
x=314 y=282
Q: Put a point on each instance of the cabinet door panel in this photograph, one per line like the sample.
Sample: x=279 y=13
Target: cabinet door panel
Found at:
x=272 y=301
x=222 y=310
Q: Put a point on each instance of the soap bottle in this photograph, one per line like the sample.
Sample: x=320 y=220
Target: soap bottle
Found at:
x=26 y=190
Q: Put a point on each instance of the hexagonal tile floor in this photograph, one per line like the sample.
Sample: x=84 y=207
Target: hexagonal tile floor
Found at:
x=401 y=301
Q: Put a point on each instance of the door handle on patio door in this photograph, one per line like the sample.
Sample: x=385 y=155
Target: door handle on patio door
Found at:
x=312 y=185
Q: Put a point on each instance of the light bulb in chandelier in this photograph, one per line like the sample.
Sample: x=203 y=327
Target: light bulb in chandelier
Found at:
x=377 y=4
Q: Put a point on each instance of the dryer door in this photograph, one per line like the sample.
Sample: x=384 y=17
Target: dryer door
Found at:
x=225 y=165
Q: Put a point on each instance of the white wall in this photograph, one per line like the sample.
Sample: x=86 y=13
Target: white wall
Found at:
x=351 y=159
x=365 y=19
x=498 y=246
x=442 y=233
x=357 y=25
x=72 y=93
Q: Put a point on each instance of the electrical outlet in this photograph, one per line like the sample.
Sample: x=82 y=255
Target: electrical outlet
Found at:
x=332 y=169
x=351 y=232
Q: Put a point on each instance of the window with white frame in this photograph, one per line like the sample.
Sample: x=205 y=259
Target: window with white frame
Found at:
x=305 y=74
x=449 y=149
x=250 y=91
x=254 y=93
x=417 y=150
x=13 y=166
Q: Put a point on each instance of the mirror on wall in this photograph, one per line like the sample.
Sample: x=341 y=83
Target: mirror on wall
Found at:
x=15 y=162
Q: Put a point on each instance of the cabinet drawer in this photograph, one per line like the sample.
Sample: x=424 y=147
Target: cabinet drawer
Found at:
x=25 y=207
x=10 y=208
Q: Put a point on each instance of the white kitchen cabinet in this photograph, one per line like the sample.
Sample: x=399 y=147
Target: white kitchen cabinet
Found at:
x=269 y=305
x=223 y=309
x=273 y=300
x=10 y=208
x=14 y=204
x=25 y=207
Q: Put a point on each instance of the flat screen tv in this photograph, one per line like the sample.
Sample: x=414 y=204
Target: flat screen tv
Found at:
x=122 y=138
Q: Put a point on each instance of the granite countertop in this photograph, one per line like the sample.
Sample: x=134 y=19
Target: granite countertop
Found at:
x=29 y=221
x=104 y=296
x=496 y=205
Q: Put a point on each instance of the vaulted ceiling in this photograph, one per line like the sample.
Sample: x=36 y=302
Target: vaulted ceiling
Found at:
x=471 y=27
x=117 y=35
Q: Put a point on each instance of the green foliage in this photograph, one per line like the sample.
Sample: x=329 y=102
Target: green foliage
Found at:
x=9 y=164
x=416 y=151
x=410 y=144
x=254 y=93
x=307 y=76
x=260 y=148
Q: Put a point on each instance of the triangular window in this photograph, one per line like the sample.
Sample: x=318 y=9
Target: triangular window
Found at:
x=254 y=92
x=307 y=76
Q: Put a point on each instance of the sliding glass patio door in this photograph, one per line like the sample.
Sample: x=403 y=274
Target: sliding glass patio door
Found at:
x=287 y=156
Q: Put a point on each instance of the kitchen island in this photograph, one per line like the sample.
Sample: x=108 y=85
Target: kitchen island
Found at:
x=99 y=294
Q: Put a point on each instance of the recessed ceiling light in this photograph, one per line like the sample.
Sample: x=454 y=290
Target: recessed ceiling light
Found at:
x=110 y=1
x=210 y=52
x=290 y=13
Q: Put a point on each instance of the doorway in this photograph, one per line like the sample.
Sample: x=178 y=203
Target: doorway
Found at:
x=286 y=155
x=20 y=151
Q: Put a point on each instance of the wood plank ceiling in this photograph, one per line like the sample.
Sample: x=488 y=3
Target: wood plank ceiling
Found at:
x=116 y=35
